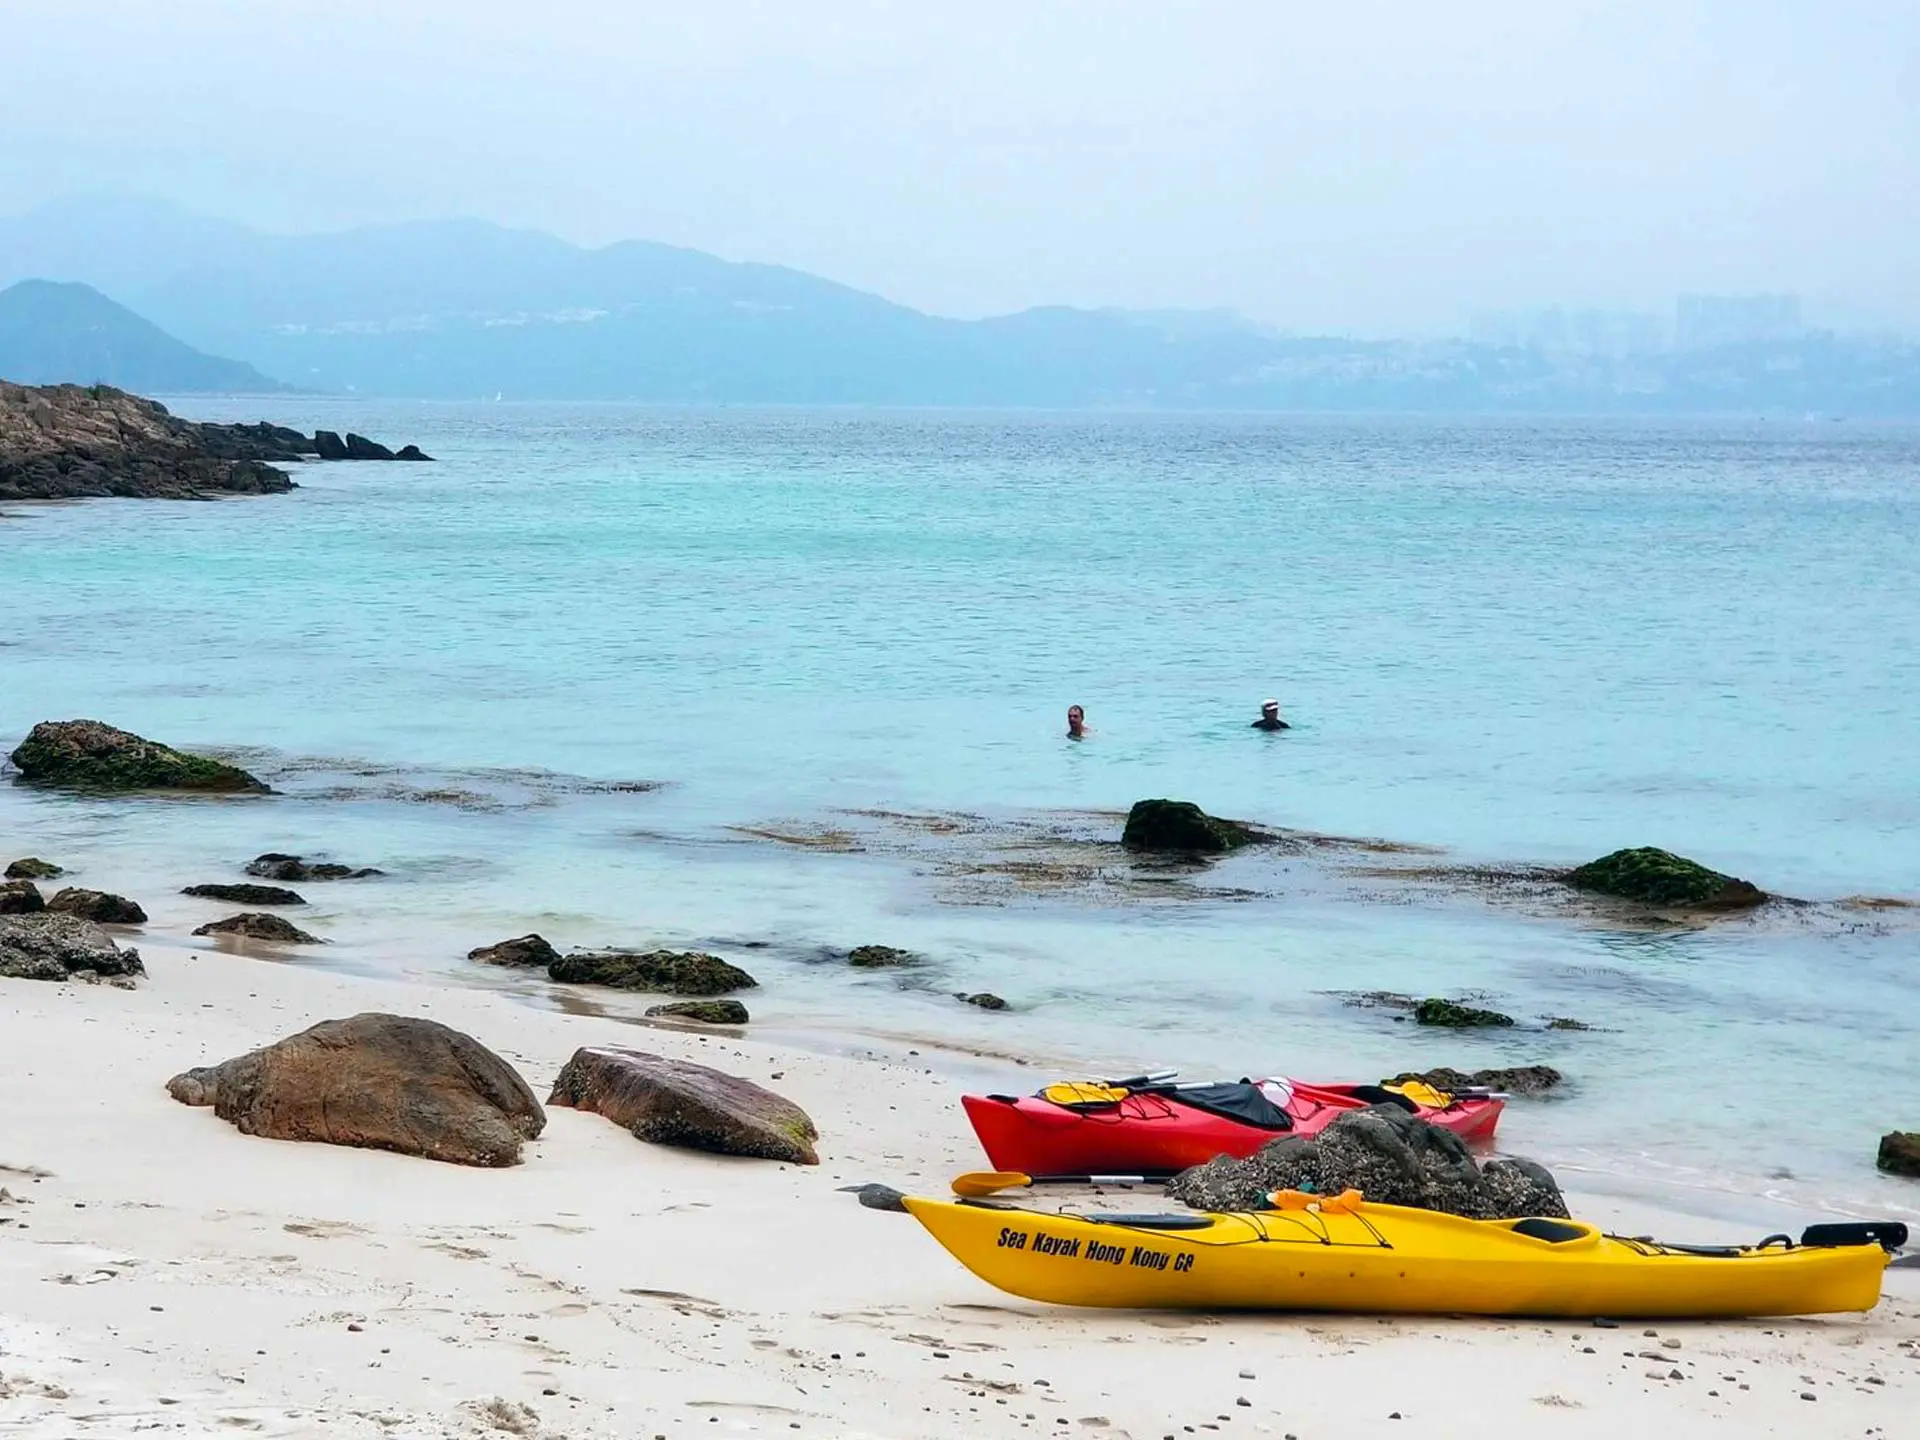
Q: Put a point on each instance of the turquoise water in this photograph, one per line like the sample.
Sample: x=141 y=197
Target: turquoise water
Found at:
x=1520 y=640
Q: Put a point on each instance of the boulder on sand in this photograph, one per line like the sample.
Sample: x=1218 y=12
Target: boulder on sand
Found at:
x=87 y=755
x=1519 y=1080
x=52 y=946
x=1455 y=1016
x=21 y=897
x=1390 y=1157
x=244 y=894
x=32 y=868
x=294 y=868
x=383 y=1082
x=98 y=906
x=254 y=925
x=529 y=950
x=675 y=1102
x=707 y=1012
x=1900 y=1153
x=1182 y=828
x=1658 y=877
x=664 y=972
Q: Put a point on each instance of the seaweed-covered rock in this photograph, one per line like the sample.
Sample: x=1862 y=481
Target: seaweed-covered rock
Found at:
x=21 y=897
x=52 y=946
x=1181 y=827
x=1900 y=1153
x=878 y=957
x=245 y=894
x=985 y=999
x=1517 y=1080
x=254 y=925
x=1658 y=877
x=33 y=868
x=98 y=906
x=707 y=1012
x=523 y=950
x=675 y=1102
x=294 y=868
x=383 y=1082
x=664 y=972
x=87 y=755
x=1389 y=1156
x=1454 y=1016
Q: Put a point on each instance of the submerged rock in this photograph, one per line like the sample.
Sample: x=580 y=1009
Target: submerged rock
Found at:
x=1900 y=1153
x=244 y=894
x=665 y=972
x=1659 y=877
x=878 y=957
x=1181 y=827
x=52 y=946
x=1519 y=1080
x=32 y=868
x=985 y=999
x=707 y=1012
x=252 y=925
x=1390 y=1157
x=294 y=868
x=98 y=906
x=21 y=897
x=523 y=950
x=1455 y=1016
x=89 y=755
x=382 y=1082
x=675 y=1102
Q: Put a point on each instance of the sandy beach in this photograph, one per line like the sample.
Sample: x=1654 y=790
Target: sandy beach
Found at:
x=164 y=1273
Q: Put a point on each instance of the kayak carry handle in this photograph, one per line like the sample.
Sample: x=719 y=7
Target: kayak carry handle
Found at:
x=1888 y=1234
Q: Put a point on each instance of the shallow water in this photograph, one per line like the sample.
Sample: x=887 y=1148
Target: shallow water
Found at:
x=1530 y=641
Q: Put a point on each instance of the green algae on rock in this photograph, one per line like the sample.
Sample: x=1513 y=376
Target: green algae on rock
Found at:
x=1455 y=1016
x=1181 y=827
x=707 y=1012
x=878 y=957
x=89 y=755
x=33 y=868
x=667 y=972
x=1653 y=876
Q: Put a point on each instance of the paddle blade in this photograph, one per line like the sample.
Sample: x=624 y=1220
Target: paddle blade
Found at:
x=977 y=1183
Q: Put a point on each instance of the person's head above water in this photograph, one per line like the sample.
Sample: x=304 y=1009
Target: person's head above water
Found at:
x=1076 y=722
x=1270 y=717
x=1270 y=707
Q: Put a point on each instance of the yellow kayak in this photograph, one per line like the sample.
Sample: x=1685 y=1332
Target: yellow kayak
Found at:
x=1345 y=1254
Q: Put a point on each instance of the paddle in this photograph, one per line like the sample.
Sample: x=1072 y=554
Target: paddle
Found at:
x=977 y=1183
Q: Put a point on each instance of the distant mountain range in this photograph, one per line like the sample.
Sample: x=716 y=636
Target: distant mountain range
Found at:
x=463 y=309
x=52 y=333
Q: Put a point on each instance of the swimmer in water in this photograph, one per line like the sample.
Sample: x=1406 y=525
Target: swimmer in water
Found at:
x=1270 y=717
x=1076 y=723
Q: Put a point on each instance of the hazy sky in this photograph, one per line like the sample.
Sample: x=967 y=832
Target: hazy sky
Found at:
x=1373 y=164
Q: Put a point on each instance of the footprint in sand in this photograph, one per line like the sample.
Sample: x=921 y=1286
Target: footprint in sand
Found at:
x=322 y=1229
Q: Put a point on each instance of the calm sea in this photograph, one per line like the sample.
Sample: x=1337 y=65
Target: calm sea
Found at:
x=1519 y=640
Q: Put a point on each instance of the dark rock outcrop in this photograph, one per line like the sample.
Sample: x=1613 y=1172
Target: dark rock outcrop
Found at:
x=1659 y=877
x=32 y=868
x=878 y=957
x=98 y=906
x=674 y=1102
x=1517 y=1080
x=1179 y=827
x=21 y=897
x=359 y=447
x=328 y=445
x=1900 y=1153
x=89 y=755
x=383 y=1082
x=253 y=925
x=294 y=869
x=985 y=1000
x=412 y=452
x=244 y=894
x=52 y=947
x=665 y=972
x=1455 y=1016
x=527 y=950
x=707 y=1012
x=1390 y=1157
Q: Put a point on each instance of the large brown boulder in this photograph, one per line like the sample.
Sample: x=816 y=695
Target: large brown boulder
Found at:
x=663 y=972
x=51 y=946
x=1390 y=1157
x=384 y=1082
x=88 y=755
x=675 y=1102
x=522 y=950
x=1900 y=1153
x=98 y=906
x=21 y=897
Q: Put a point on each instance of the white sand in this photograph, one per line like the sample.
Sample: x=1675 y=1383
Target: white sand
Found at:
x=170 y=1275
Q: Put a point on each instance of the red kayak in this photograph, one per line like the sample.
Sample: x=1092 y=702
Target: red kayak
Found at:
x=1129 y=1128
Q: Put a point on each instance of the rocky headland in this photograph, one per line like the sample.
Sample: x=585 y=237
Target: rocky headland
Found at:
x=63 y=442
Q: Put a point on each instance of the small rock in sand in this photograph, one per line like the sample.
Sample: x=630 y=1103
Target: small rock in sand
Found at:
x=522 y=950
x=707 y=1012
x=254 y=925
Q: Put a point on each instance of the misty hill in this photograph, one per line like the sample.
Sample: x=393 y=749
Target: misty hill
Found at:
x=463 y=309
x=53 y=333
